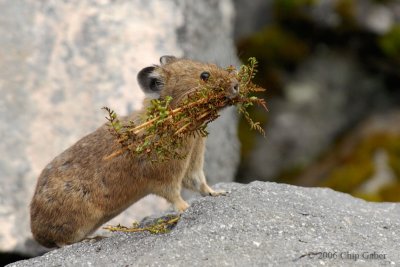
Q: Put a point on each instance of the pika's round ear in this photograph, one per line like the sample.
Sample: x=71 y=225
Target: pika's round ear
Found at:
x=167 y=59
x=150 y=81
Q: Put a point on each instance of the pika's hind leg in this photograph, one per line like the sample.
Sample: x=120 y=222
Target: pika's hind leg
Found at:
x=196 y=181
x=79 y=234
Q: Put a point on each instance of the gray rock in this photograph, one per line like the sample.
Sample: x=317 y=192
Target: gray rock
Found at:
x=252 y=16
x=64 y=60
x=372 y=16
x=260 y=224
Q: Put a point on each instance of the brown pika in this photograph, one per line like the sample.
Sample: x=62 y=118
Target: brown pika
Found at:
x=79 y=191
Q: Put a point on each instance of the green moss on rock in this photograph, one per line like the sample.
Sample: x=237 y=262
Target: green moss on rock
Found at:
x=275 y=45
x=289 y=10
x=346 y=9
x=390 y=193
x=358 y=167
x=390 y=42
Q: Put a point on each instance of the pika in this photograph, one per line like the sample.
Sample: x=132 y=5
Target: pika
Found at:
x=78 y=190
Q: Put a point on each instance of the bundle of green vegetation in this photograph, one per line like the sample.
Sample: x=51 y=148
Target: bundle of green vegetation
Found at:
x=164 y=129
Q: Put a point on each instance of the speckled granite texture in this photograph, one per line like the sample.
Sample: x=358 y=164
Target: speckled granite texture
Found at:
x=260 y=224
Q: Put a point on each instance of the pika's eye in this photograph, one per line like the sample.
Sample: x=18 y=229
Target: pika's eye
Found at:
x=205 y=75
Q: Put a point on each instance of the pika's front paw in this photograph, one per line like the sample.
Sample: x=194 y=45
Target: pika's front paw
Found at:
x=218 y=193
x=205 y=190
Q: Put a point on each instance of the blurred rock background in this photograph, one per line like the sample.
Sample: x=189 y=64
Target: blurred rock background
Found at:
x=332 y=72
x=331 y=69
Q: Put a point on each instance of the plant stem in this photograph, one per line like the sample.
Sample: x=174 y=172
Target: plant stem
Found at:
x=144 y=125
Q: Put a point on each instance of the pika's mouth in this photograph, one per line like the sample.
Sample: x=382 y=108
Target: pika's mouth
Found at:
x=233 y=90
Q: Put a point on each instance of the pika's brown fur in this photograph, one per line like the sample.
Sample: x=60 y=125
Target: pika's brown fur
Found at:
x=79 y=191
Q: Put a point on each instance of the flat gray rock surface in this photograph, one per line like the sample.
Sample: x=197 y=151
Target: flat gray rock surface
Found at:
x=259 y=224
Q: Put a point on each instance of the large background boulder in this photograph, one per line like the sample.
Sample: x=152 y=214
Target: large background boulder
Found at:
x=260 y=224
x=61 y=61
x=319 y=103
x=327 y=66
